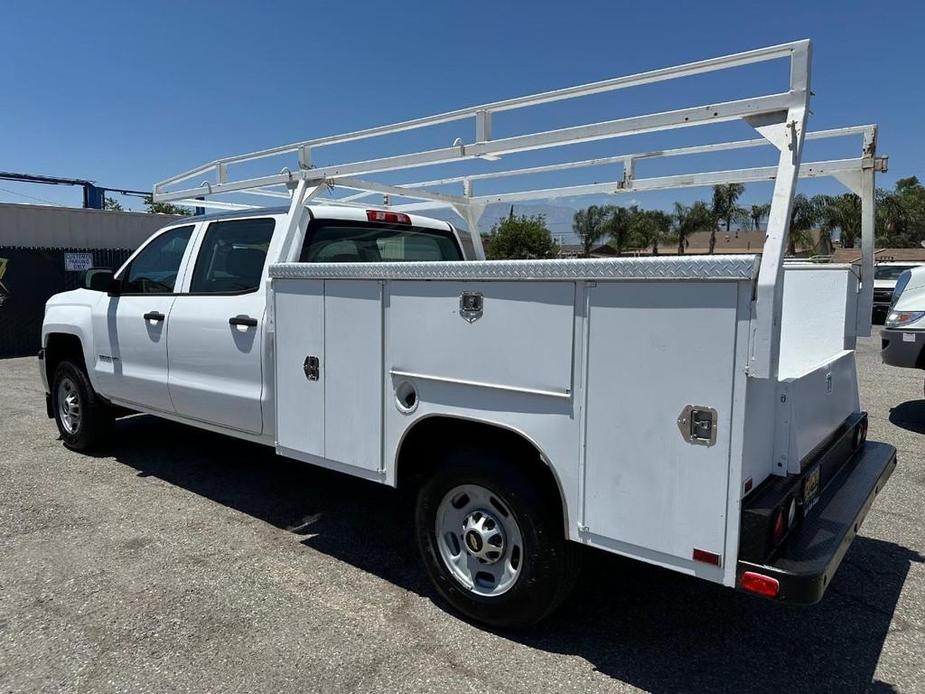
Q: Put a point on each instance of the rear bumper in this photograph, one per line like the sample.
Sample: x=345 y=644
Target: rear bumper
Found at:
x=902 y=347
x=805 y=564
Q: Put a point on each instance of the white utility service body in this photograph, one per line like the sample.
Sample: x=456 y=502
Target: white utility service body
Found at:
x=685 y=406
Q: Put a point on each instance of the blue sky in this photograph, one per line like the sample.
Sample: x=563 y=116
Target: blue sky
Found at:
x=129 y=93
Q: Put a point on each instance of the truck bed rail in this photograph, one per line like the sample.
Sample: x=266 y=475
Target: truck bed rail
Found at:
x=724 y=267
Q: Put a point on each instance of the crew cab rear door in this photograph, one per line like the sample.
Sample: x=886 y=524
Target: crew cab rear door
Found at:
x=216 y=326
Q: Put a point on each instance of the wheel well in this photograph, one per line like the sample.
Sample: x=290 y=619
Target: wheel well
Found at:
x=432 y=434
x=61 y=346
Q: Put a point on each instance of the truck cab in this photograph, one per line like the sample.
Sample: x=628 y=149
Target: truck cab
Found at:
x=886 y=275
x=180 y=330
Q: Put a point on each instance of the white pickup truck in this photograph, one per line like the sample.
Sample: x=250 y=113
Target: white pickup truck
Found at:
x=700 y=413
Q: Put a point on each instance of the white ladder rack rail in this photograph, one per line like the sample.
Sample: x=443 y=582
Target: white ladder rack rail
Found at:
x=780 y=118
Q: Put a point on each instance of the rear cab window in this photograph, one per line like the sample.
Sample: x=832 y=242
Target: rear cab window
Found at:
x=347 y=241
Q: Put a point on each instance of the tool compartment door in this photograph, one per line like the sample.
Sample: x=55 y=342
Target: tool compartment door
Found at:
x=654 y=348
x=299 y=319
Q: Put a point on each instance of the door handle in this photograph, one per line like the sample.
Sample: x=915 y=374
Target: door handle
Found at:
x=154 y=315
x=243 y=320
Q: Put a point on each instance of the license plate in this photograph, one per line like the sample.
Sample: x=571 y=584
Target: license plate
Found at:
x=810 y=488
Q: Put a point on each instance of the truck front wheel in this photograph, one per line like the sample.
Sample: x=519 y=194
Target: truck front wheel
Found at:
x=493 y=541
x=83 y=419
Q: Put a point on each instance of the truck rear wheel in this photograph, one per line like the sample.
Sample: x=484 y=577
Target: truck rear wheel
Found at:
x=83 y=419
x=493 y=541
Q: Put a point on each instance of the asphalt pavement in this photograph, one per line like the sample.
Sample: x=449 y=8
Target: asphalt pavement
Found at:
x=178 y=560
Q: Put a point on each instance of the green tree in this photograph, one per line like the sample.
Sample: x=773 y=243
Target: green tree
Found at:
x=901 y=214
x=758 y=212
x=725 y=208
x=590 y=226
x=165 y=208
x=618 y=225
x=648 y=228
x=112 y=204
x=804 y=215
x=690 y=218
x=841 y=212
x=521 y=236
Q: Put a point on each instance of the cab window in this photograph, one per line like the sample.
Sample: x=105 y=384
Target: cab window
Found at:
x=335 y=241
x=900 y=286
x=154 y=270
x=231 y=256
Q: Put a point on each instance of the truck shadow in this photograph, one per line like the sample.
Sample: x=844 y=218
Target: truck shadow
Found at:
x=909 y=415
x=652 y=628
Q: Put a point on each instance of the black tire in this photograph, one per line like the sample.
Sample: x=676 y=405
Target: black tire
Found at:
x=550 y=562
x=96 y=417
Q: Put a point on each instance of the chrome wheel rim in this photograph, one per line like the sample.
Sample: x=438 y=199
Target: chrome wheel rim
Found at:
x=479 y=540
x=69 y=409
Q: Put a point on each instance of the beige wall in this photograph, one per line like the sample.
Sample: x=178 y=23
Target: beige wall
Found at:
x=40 y=226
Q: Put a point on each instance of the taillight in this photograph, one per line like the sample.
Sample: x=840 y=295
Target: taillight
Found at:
x=390 y=217
x=759 y=584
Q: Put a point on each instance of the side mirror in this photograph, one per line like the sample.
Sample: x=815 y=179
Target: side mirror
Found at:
x=115 y=287
x=97 y=279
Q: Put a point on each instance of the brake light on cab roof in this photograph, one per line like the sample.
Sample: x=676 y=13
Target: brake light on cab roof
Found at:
x=390 y=217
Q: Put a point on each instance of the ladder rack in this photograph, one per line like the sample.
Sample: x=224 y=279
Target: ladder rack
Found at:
x=779 y=118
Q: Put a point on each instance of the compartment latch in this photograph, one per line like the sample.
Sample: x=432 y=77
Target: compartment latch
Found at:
x=698 y=425
x=312 y=367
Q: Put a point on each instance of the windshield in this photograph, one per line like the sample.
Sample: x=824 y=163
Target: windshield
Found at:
x=900 y=287
x=335 y=241
x=890 y=272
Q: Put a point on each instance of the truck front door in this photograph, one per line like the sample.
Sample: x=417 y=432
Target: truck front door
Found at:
x=130 y=359
x=216 y=327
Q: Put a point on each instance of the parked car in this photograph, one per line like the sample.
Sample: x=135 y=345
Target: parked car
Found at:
x=902 y=339
x=885 y=276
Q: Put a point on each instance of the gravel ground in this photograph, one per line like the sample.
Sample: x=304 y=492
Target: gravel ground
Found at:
x=178 y=560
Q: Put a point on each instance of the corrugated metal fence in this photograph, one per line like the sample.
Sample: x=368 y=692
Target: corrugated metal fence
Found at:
x=28 y=276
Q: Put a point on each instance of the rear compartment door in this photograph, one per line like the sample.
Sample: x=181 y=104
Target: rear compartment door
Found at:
x=654 y=348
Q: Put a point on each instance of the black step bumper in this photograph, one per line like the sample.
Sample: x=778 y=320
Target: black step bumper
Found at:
x=804 y=566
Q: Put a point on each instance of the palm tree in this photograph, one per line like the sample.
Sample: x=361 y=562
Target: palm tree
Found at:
x=617 y=222
x=758 y=212
x=589 y=226
x=691 y=218
x=804 y=215
x=725 y=208
x=842 y=212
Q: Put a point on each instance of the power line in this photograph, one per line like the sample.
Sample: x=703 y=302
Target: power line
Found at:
x=30 y=197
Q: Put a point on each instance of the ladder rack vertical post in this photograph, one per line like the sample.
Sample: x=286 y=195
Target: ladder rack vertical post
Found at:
x=788 y=136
